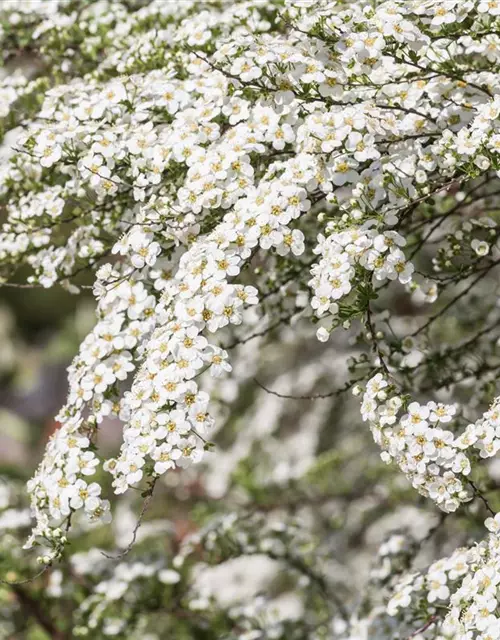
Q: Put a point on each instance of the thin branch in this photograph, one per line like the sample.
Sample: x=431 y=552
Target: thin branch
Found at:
x=142 y=513
x=432 y=620
x=315 y=396
x=13 y=583
x=259 y=334
x=376 y=348
x=479 y=494
x=433 y=318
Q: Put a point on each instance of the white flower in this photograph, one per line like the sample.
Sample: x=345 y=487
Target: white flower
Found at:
x=322 y=334
x=480 y=247
x=437 y=584
x=84 y=495
x=493 y=524
x=168 y=576
x=50 y=155
x=401 y=599
x=165 y=457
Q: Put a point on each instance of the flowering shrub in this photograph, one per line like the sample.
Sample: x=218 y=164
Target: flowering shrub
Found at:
x=225 y=169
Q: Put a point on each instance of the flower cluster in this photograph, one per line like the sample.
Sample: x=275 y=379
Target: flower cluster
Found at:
x=188 y=179
x=342 y=252
x=439 y=581
x=435 y=458
x=419 y=442
x=228 y=167
x=466 y=585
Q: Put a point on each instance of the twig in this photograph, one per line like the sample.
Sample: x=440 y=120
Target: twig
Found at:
x=481 y=275
x=259 y=334
x=375 y=344
x=13 y=583
x=315 y=396
x=432 y=620
x=482 y=498
x=142 y=513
